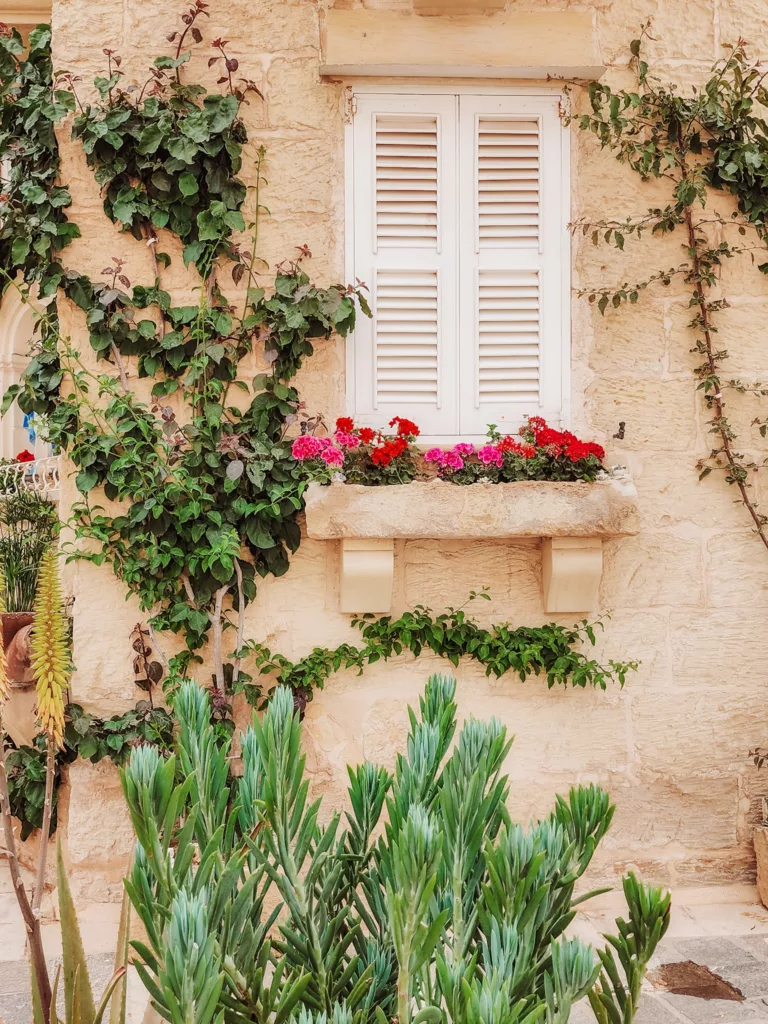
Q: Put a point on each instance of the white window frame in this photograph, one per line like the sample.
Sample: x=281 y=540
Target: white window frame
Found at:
x=423 y=87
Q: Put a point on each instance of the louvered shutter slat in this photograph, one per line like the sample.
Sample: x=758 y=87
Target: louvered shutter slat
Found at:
x=406 y=337
x=508 y=336
x=406 y=181
x=507 y=182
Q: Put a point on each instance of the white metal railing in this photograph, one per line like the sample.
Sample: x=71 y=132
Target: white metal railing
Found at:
x=42 y=476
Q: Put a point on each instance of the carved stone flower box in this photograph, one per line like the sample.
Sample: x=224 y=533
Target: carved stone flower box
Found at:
x=573 y=520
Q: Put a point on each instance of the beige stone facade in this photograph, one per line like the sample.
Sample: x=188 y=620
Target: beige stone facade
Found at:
x=687 y=594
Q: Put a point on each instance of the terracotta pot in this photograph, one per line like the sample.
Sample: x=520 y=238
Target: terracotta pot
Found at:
x=12 y=623
x=760 y=838
x=18 y=656
x=20 y=713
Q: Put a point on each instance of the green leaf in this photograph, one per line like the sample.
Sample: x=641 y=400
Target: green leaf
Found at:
x=150 y=139
x=20 y=249
x=74 y=964
x=182 y=148
x=188 y=185
x=86 y=480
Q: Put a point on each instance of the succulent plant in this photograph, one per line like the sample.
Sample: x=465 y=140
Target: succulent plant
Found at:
x=257 y=908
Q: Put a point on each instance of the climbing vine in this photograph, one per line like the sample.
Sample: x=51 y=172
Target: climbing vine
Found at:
x=214 y=493
x=713 y=140
x=550 y=650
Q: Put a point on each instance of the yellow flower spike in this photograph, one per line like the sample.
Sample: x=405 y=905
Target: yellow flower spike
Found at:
x=49 y=648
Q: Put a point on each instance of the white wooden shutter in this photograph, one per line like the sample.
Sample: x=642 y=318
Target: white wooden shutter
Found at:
x=405 y=360
x=513 y=233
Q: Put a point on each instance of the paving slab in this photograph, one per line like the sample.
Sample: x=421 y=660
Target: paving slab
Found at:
x=710 y=1011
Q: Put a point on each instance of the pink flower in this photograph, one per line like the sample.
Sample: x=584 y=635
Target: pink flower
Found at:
x=435 y=455
x=464 y=449
x=490 y=453
x=306 y=447
x=344 y=440
x=332 y=456
x=453 y=460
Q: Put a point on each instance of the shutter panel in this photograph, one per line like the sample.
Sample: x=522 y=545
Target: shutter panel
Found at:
x=513 y=230
x=405 y=360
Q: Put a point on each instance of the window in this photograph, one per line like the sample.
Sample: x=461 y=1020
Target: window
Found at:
x=459 y=229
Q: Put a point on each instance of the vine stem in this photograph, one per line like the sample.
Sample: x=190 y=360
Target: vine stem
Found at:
x=706 y=325
x=152 y=240
x=45 y=828
x=218 y=656
x=120 y=368
x=240 y=621
x=158 y=648
x=31 y=919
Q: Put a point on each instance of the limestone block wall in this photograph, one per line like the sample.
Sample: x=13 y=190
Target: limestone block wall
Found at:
x=687 y=595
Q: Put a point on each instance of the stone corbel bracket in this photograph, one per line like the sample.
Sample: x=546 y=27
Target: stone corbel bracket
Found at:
x=573 y=520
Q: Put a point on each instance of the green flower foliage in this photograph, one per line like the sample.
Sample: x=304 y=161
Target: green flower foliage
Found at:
x=551 y=650
x=200 y=489
x=257 y=906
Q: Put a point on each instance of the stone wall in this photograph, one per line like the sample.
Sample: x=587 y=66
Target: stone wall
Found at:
x=687 y=595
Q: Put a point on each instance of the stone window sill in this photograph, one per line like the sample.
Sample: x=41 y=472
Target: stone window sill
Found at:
x=573 y=520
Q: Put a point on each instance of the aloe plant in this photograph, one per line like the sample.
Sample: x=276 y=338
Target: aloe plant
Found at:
x=79 y=1004
x=257 y=907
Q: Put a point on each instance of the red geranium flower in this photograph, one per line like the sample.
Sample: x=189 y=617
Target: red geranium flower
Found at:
x=379 y=457
x=405 y=426
x=345 y=424
x=395 y=447
x=25 y=456
x=366 y=434
x=508 y=444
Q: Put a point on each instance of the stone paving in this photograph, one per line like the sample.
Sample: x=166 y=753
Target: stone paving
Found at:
x=724 y=930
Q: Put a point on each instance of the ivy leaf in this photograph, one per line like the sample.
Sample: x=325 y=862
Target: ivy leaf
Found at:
x=182 y=148
x=188 y=185
x=150 y=139
x=86 y=480
x=192 y=252
x=87 y=747
x=20 y=250
x=235 y=469
x=208 y=226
